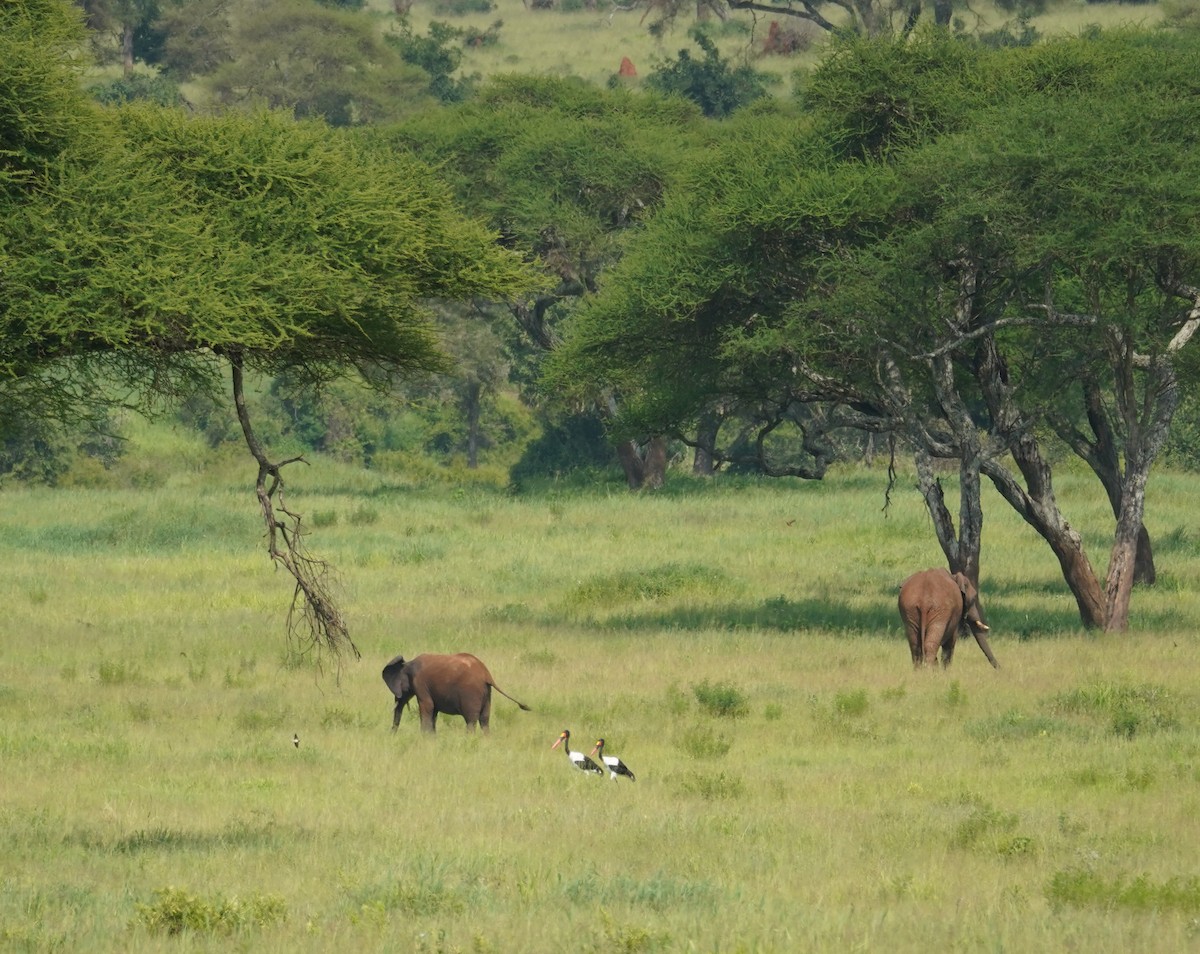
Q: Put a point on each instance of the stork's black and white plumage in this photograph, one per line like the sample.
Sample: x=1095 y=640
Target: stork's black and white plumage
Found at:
x=614 y=765
x=578 y=759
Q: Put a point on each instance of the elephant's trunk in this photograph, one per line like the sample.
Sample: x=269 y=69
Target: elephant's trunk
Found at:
x=980 y=631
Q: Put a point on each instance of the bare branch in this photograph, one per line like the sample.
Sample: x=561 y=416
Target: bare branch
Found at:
x=314 y=620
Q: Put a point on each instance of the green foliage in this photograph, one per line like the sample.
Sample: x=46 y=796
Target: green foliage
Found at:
x=721 y=699
x=851 y=703
x=150 y=87
x=317 y=61
x=1011 y=725
x=723 y=786
x=711 y=83
x=565 y=445
x=1081 y=888
x=435 y=55
x=645 y=584
x=174 y=911
x=703 y=742
x=461 y=8
x=1130 y=710
x=985 y=826
x=197 y=37
x=42 y=111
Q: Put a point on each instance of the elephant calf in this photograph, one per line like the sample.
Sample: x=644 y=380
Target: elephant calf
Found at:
x=457 y=684
x=933 y=605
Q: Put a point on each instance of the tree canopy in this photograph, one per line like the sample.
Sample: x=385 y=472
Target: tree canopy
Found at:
x=949 y=233
x=166 y=245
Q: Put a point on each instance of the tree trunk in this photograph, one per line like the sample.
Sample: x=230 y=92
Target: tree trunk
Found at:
x=1035 y=502
x=1040 y=510
x=935 y=502
x=127 y=49
x=656 y=463
x=1148 y=424
x=703 y=464
x=631 y=463
x=968 y=447
x=644 y=469
x=472 y=401
x=1101 y=454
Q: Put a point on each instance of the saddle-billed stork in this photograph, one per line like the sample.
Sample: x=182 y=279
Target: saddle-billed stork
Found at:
x=578 y=759
x=614 y=765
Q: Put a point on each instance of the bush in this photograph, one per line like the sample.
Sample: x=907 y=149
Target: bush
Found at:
x=1086 y=889
x=174 y=911
x=721 y=700
x=710 y=83
x=574 y=443
x=138 y=86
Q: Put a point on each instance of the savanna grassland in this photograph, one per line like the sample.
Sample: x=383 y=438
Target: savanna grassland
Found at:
x=574 y=41
x=799 y=787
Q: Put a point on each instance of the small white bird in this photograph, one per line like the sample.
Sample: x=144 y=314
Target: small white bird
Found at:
x=296 y=740
x=614 y=765
x=578 y=759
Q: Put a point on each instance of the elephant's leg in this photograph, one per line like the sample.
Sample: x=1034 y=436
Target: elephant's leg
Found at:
x=947 y=652
x=428 y=718
x=485 y=714
x=914 y=642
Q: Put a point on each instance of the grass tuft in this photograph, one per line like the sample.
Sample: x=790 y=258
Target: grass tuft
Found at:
x=1087 y=889
x=1129 y=710
x=721 y=700
x=174 y=911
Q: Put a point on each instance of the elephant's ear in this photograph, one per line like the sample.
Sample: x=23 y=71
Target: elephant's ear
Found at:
x=391 y=675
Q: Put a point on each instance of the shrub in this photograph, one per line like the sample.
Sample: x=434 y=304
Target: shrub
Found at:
x=703 y=743
x=1128 y=709
x=710 y=82
x=174 y=911
x=853 y=702
x=1087 y=889
x=719 y=787
x=721 y=700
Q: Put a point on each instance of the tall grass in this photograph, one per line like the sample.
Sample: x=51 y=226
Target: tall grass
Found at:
x=798 y=787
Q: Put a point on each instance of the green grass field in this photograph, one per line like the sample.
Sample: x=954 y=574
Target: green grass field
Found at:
x=591 y=43
x=799 y=787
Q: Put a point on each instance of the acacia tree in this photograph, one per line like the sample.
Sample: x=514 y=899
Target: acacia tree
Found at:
x=907 y=263
x=173 y=250
x=1091 y=202
x=317 y=61
x=564 y=170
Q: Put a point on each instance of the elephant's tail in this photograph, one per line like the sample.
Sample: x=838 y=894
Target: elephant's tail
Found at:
x=507 y=696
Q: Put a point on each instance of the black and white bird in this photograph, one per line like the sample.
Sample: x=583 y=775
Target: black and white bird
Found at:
x=614 y=765
x=578 y=759
x=296 y=741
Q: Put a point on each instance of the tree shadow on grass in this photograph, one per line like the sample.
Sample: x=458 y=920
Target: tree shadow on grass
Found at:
x=783 y=615
x=778 y=613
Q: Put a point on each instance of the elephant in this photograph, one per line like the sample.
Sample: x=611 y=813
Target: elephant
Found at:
x=934 y=604
x=457 y=684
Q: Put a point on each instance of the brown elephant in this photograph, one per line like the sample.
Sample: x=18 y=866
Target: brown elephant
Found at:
x=933 y=605
x=457 y=684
